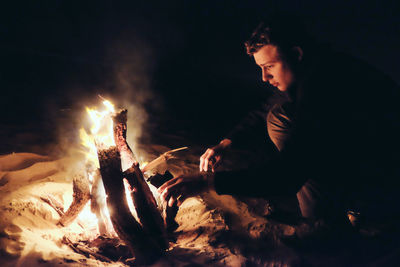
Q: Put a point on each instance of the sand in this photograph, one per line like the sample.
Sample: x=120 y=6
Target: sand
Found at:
x=213 y=230
x=30 y=237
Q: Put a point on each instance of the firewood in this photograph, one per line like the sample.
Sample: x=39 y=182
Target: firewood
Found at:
x=120 y=127
x=162 y=159
x=54 y=204
x=81 y=197
x=144 y=201
x=78 y=248
x=145 y=248
x=57 y=206
x=146 y=206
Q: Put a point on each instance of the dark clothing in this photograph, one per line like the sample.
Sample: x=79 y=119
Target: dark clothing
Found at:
x=338 y=135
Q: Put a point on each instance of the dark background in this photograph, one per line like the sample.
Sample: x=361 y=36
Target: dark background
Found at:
x=181 y=61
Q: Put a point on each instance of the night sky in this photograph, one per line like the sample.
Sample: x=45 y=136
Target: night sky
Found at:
x=180 y=59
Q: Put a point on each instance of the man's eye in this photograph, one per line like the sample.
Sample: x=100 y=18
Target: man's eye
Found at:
x=269 y=66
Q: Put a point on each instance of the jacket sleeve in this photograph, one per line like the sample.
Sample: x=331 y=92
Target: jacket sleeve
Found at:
x=284 y=173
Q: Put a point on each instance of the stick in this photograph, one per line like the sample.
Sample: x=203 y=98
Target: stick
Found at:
x=81 y=197
x=83 y=250
x=162 y=159
x=54 y=204
x=57 y=206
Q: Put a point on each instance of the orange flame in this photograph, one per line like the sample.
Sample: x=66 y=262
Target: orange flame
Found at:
x=100 y=134
x=101 y=131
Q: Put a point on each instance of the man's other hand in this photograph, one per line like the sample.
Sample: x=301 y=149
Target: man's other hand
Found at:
x=212 y=157
x=176 y=190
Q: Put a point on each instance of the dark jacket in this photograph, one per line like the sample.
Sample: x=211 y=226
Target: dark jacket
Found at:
x=345 y=133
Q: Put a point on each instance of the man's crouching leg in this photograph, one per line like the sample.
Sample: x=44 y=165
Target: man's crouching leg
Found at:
x=324 y=205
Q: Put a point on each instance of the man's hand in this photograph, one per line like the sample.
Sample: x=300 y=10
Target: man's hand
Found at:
x=213 y=155
x=175 y=191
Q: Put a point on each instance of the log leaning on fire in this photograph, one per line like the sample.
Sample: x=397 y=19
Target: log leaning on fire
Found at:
x=139 y=239
x=119 y=129
x=146 y=206
x=148 y=213
x=143 y=200
x=80 y=197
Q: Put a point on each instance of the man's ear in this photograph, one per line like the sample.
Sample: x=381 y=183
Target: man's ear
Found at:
x=298 y=52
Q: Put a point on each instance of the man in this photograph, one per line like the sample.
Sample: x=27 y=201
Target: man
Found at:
x=336 y=132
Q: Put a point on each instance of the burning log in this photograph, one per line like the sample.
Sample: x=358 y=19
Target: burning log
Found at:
x=142 y=244
x=120 y=127
x=81 y=197
x=144 y=201
x=146 y=206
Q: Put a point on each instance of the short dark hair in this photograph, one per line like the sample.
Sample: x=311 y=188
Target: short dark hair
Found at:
x=283 y=32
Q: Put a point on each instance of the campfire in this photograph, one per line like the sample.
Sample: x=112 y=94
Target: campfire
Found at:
x=99 y=207
x=112 y=199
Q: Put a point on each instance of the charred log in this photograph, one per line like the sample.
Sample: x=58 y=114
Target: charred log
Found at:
x=143 y=200
x=146 y=206
x=120 y=127
x=146 y=249
x=80 y=198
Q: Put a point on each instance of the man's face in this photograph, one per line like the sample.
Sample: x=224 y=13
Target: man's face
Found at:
x=275 y=71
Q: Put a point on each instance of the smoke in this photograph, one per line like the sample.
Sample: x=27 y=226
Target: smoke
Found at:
x=133 y=64
x=126 y=79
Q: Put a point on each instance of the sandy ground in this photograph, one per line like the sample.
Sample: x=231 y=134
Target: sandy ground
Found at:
x=30 y=237
x=213 y=230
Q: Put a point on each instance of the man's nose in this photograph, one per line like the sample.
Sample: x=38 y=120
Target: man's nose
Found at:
x=266 y=76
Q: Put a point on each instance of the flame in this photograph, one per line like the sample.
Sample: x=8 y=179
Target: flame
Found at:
x=128 y=193
x=87 y=216
x=101 y=131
